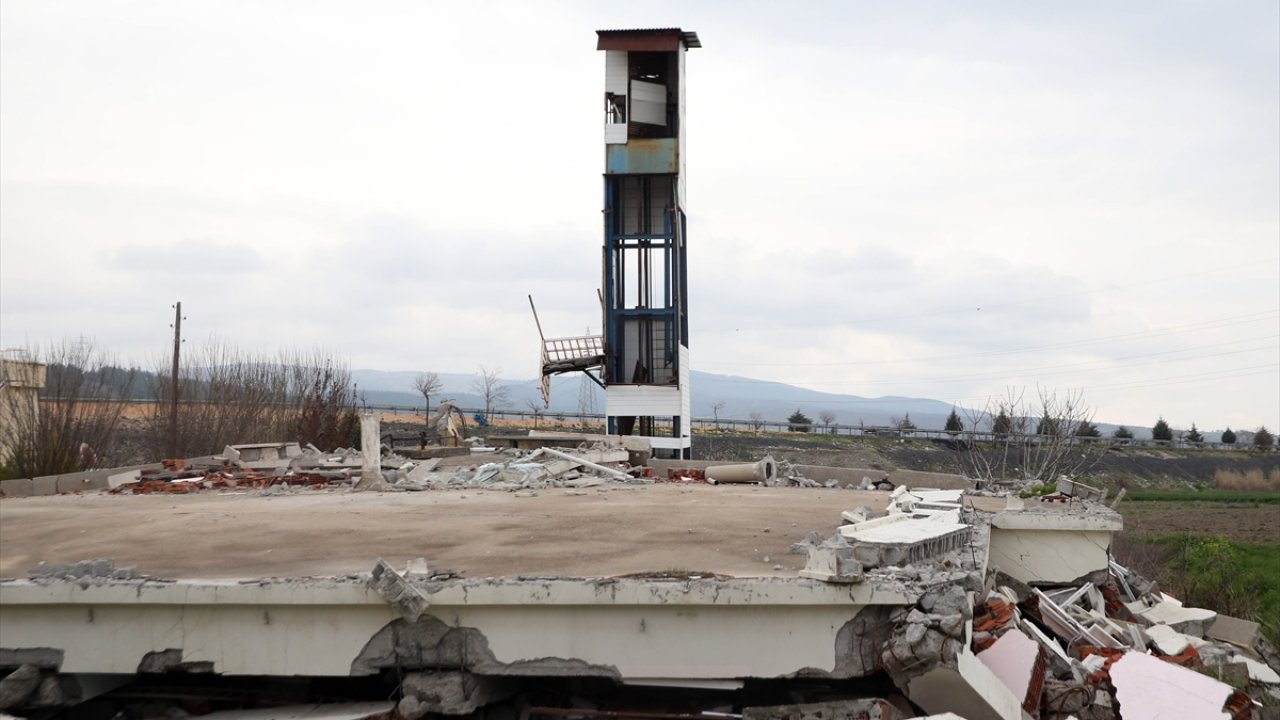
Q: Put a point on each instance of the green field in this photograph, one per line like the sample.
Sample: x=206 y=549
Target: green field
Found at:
x=1216 y=496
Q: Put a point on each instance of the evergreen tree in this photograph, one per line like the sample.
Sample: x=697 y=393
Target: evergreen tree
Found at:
x=799 y=422
x=1161 y=431
x=953 y=425
x=1263 y=439
x=1047 y=426
x=1193 y=435
x=1002 y=425
x=1087 y=429
x=1228 y=437
x=1122 y=433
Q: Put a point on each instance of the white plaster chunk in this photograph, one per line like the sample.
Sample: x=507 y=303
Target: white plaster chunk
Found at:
x=1176 y=616
x=1258 y=672
x=1167 y=640
x=1012 y=658
x=1149 y=688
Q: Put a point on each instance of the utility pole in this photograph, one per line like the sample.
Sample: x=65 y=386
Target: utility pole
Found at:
x=173 y=409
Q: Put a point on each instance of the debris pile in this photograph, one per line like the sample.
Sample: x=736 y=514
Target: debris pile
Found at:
x=272 y=467
x=1098 y=649
x=1104 y=651
x=584 y=466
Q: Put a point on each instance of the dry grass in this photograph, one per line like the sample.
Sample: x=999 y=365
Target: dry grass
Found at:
x=1250 y=480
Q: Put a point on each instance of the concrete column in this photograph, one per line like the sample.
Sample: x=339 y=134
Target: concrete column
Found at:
x=371 y=450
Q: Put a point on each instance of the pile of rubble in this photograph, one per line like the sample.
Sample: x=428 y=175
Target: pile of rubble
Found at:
x=275 y=467
x=514 y=471
x=1112 y=646
x=1103 y=651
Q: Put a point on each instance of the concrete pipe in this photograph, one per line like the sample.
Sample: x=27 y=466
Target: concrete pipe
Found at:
x=765 y=471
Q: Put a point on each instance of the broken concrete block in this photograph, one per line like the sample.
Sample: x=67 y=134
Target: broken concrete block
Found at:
x=900 y=539
x=1167 y=640
x=802 y=548
x=860 y=514
x=833 y=562
x=393 y=588
x=52 y=692
x=946 y=600
x=1188 y=621
x=1242 y=633
x=18 y=685
x=1258 y=671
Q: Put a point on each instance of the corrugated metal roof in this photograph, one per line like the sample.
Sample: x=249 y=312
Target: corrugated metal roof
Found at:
x=688 y=37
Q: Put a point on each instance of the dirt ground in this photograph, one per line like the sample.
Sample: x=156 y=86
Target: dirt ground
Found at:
x=1241 y=522
x=607 y=531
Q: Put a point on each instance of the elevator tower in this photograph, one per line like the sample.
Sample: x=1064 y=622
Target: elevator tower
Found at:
x=645 y=284
x=642 y=357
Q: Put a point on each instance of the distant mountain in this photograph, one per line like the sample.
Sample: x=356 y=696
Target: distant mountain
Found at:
x=741 y=397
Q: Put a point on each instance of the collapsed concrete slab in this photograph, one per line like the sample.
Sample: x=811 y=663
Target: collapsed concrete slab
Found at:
x=901 y=539
x=1044 y=546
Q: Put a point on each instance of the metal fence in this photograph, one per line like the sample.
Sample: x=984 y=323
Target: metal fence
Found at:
x=596 y=423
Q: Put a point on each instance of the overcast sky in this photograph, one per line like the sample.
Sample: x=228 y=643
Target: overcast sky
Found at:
x=897 y=198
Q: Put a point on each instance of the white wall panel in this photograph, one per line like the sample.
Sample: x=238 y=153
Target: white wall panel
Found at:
x=648 y=102
x=615 y=72
x=648 y=400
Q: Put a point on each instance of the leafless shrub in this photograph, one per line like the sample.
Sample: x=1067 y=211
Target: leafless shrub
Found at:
x=1002 y=442
x=1250 y=480
x=226 y=396
x=73 y=426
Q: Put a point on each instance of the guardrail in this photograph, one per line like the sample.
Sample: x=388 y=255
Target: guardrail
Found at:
x=595 y=422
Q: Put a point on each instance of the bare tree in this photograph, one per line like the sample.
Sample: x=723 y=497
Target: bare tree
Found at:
x=716 y=407
x=228 y=397
x=73 y=424
x=757 y=421
x=427 y=383
x=828 y=419
x=535 y=406
x=488 y=385
x=1028 y=440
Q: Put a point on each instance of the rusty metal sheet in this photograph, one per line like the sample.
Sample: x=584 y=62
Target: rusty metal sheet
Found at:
x=643 y=156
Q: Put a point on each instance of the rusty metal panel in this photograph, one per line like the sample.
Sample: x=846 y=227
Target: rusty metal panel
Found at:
x=643 y=156
x=657 y=40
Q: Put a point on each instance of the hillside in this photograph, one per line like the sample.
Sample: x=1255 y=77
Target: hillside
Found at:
x=741 y=396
